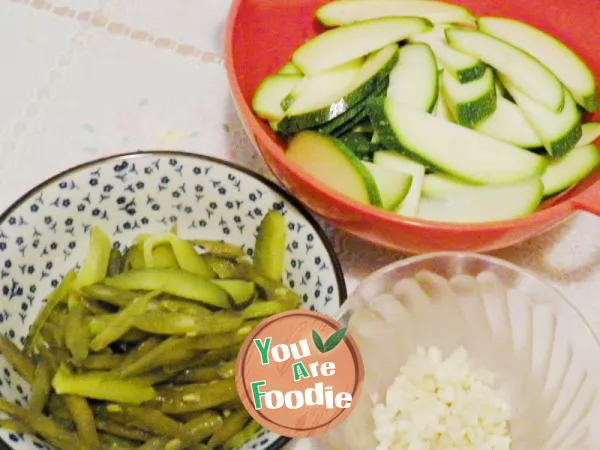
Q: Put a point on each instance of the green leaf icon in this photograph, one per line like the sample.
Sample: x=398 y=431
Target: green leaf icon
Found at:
x=334 y=340
x=331 y=343
x=318 y=341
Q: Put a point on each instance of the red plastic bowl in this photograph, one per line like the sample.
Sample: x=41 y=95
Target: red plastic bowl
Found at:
x=261 y=36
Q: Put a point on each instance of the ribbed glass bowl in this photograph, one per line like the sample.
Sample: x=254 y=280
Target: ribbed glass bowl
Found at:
x=510 y=322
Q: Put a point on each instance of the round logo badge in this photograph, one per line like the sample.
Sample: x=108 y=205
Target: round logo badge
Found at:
x=299 y=373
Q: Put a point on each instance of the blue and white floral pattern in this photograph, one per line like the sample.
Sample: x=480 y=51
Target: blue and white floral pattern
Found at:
x=46 y=234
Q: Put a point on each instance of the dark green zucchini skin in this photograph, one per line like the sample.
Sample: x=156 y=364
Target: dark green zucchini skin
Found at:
x=315 y=119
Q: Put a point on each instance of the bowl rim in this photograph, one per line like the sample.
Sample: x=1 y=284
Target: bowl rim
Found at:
x=273 y=149
x=336 y=264
x=346 y=307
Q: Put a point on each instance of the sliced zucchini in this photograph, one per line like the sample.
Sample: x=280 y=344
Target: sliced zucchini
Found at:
x=590 y=132
x=315 y=93
x=465 y=68
x=508 y=124
x=267 y=99
x=561 y=60
x=344 y=12
x=318 y=100
x=484 y=203
x=341 y=45
x=392 y=185
x=559 y=132
x=441 y=110
x=451 y=148
x=414 y=79
x=569 y=170
x=358 y=143
x=436 y=184
x=355 y=115
x=337 y=126
x=470 y=103
x=289 y=69
x=330 y=162
x=393 y=160
x=523 y=70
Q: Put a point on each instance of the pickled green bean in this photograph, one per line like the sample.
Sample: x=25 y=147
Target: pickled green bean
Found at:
x=83 y=417
x=223 y=267
x=226 y=369
x=43 y=426
x=238 y=440
x=122 y=322
x=17 y=358
x=220 y=248
x=183 y=306
x=266 y=308
x=240 y=291
x=194 y=397
x=134 y=258
x=145 y=419
x=76 y=331
x=198 y=375
x=114 y=442
x=170 y=323
x=95 y=265
x=195 y=431
x=104 y=361
x=140 y=351
x=269 y=249
x=41 y=386
x=57 y=296
x=101 y=386
x=117 y=429
x=115 y=263
x=174 y=282
x=233 y=424
x=187 y=257
x=108 y=294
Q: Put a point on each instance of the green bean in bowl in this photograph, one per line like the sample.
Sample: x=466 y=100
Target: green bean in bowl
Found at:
x=136 y=344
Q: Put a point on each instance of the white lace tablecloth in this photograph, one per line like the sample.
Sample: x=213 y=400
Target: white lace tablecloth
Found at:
x=83 y=79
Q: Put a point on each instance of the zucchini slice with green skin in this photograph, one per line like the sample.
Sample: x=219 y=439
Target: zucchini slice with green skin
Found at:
x=522 y=69
x=465 y=68
x=436 y=184
x=590 y=132
x=392 y=185
x=470 y=103
x=414 y=79
x=556 y=56
x=330 y=162
x=508 y=124
x=320 y=91
x=484 y=203
x=319 y=99
x=358 y=143
x=393 y=160
x=267 y=99
x=562 y=173
x=341 y=45
x=559 y=132
x=344 y=12
x=289 y=69
x=355 y=115
x=474 y=157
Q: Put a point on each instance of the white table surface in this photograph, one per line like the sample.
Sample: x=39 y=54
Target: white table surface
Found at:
x=83 y=79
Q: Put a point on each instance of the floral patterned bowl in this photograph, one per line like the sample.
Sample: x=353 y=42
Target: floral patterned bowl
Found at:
x=45 y=234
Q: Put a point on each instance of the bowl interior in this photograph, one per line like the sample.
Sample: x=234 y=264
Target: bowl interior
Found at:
x=283 y=26
x=544 y=355
x=46 y=234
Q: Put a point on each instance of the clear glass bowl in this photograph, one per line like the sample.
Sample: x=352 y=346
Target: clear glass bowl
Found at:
x=542 y=351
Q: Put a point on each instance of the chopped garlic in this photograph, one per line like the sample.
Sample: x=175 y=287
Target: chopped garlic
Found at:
x=437 y=404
